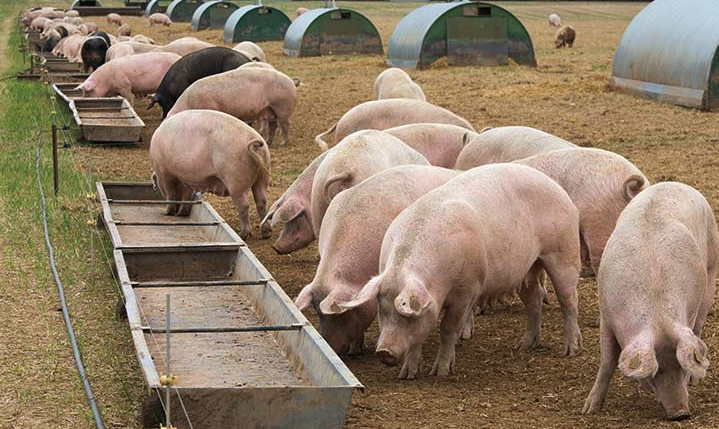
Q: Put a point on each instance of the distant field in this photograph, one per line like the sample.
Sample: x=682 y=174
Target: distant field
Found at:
x=567 y=95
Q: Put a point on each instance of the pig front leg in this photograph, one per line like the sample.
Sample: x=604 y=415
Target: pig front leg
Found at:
x=468 y=328
x=565 y=276
x=610 y=360
x=450 y=329
x=412 y=364
x=239 y=199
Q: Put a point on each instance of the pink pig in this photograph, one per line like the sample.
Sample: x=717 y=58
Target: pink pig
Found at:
x=160 y=19
x=133 y=74
x=350 y=243
x=441 y=144
x=656 y=285
x=479 y=235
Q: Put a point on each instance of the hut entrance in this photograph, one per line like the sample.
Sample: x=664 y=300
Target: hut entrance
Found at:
x=334 y=37
x=478 y=40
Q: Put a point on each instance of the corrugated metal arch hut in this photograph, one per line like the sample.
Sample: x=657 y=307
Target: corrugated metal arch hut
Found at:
x=213 y=14
x=155 y=6
x=669 y=52
x=468 y=33
x=83 y=3
x=326 y=31
x=182 y=10
x=256 y=23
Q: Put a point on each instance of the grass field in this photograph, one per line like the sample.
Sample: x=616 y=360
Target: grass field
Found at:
x=567 y=94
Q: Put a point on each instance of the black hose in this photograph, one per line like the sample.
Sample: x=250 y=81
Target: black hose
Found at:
x=61 y=292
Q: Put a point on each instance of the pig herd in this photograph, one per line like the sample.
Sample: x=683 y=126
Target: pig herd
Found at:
x=421 y=220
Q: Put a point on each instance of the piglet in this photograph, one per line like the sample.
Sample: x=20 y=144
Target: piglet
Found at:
x=113 y=18
x=656 y=284
x=350 y=243
x=479 y=235
x=125 y=76
x=210 y=151
x=159 y=19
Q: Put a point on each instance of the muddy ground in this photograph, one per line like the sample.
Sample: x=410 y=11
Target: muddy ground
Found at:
x=567 y=95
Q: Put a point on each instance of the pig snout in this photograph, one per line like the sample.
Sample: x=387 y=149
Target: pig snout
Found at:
x=387 y=357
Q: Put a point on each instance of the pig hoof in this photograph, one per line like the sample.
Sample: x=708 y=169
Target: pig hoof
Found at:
x=529 y=342
x=592 y=405
x=572 y=350
x=442 y=368
x=680 y=415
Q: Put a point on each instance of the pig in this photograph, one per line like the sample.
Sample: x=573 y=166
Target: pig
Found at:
x=39 y=23
x=73 y=21
x=249 y=94
x=184 y=47
x=259 y=64
x=124 y=49
x=70 y=47
x=383 y=114
x=135 y=74
x=211 y=151
x=441 y=144
x=251 y=51
x=554 y=20
x=87 y=27
x=94 y=49
x=124 y=30
x=113 y=18
x=395 y=83
x=565 y=37
x=300 y=11
x=72 y=14
x=656 y=284
x=294 y=211
x=357 y=157
x=600 y=183
x=51 y=37
x=479 y=235
x=160 y=19
x=140 y=38
x=191 y=68
x=29 y=15
x=507 y=144
x=350 y=243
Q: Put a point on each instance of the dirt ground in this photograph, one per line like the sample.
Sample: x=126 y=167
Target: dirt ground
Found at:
x=567 y=95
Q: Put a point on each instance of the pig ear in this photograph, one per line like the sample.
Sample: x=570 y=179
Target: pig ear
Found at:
x=467 y=137
x=331 y=304
x=304 y=299
x=413 y=300
x=638 y=360
x=692 y=354
x=287 y=212
x=369 y=292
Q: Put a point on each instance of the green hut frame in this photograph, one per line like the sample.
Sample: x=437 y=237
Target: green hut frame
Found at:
x=213 y=14
x=182 y=10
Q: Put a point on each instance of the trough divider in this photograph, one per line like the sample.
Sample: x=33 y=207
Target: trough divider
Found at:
x=158 y=330
x=133 y=223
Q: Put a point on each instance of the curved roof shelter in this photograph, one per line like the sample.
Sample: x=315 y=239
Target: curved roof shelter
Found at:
x=468 y=33
x=256 y=23
x=83 y=3
x=212 y=14
x=327 y=31
x=155 y=6
x=182 y=10
x=669 y=52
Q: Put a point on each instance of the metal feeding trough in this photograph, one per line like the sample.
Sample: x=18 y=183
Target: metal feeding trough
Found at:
x=182 y=10
x=155 y=6
x=243 y=355
x=101 y=120
x=331 y=30
x=467 y=33
x=256 y=23
x=212 y=14
x=56 y=68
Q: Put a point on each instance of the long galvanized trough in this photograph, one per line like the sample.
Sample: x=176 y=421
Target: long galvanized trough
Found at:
x=57 y=68
x=244 y=356
x=103 y=119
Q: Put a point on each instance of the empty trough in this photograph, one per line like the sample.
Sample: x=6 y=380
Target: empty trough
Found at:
x=243 y=355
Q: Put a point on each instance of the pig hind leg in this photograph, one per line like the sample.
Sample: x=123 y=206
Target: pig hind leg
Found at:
x=610 y=359
x=285 y=129
x=173 y=192
x=187 y=195
x=532 y=295
x=565 y=275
